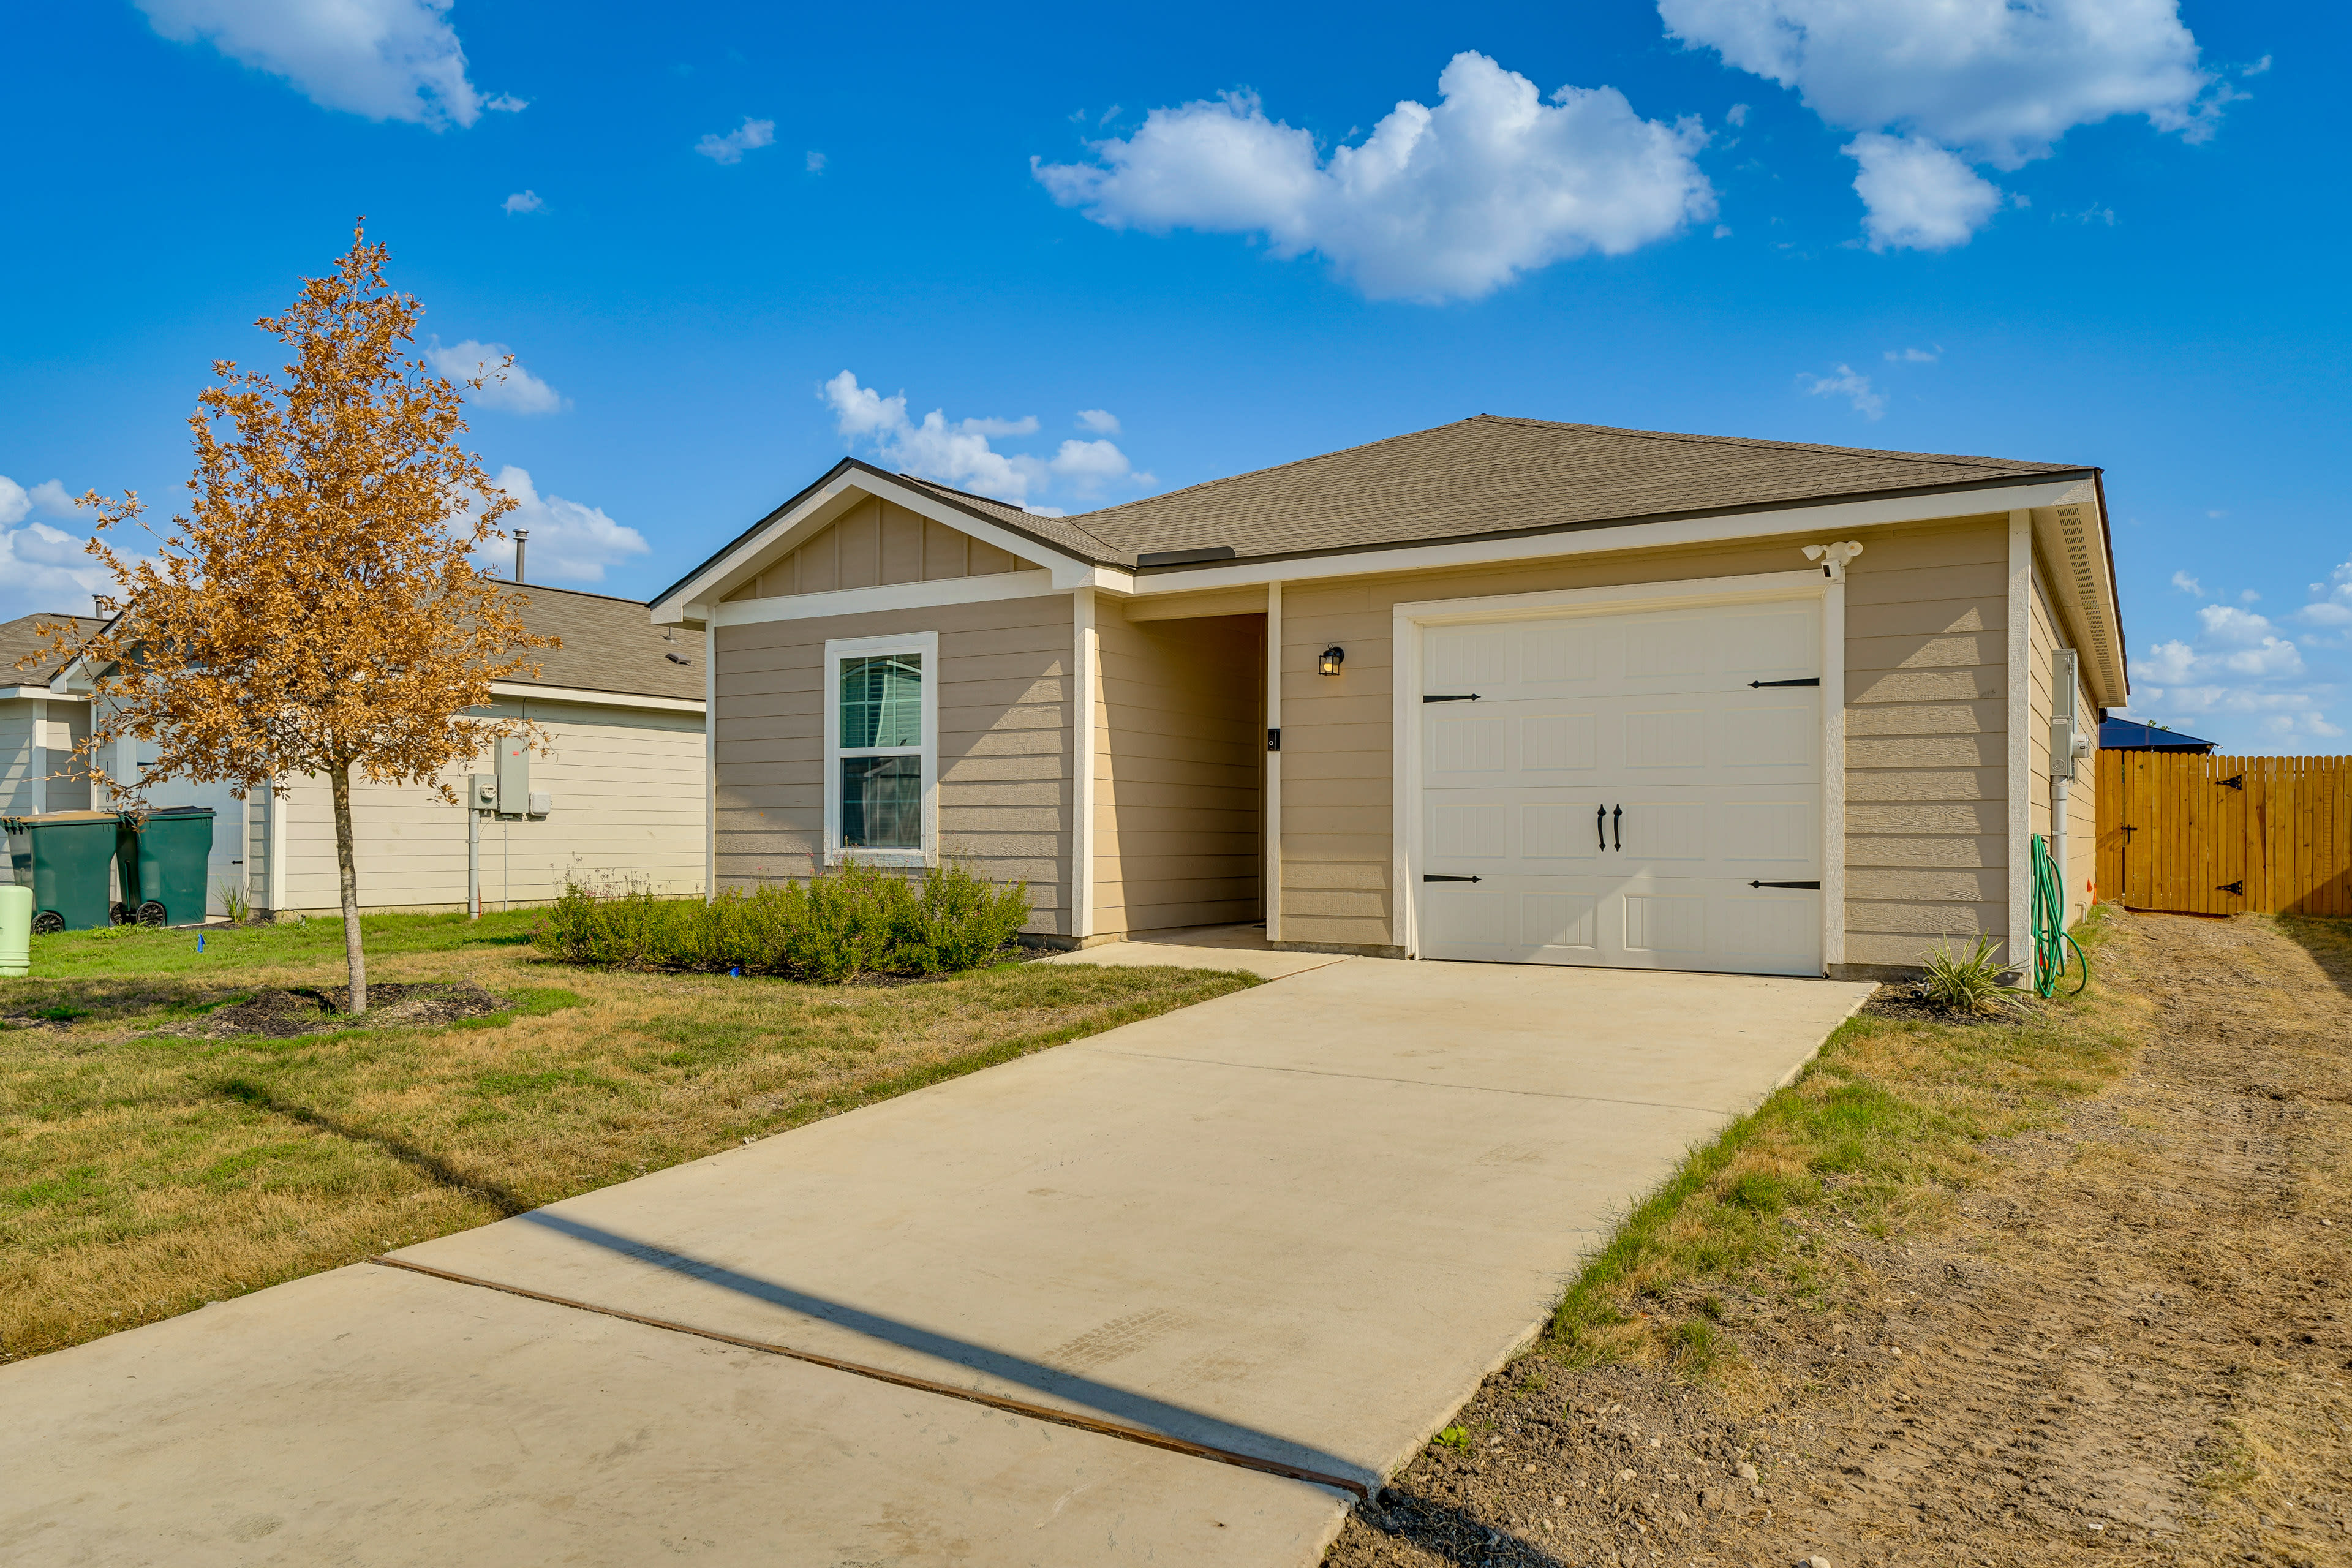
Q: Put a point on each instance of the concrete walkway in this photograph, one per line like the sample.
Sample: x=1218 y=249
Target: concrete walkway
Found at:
x=1299 y=1222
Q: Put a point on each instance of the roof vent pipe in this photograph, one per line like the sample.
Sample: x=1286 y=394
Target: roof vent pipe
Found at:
x=522 y=537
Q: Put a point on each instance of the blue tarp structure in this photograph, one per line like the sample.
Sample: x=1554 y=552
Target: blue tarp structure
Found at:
x=2132 y=735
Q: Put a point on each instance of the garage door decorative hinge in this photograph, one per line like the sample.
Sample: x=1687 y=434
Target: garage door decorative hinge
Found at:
x=1809 y=680
x=1465 y=697
x=1427 y=877
x=1814 y=886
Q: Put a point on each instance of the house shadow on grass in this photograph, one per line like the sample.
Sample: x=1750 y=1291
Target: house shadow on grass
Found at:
x=2327 y=940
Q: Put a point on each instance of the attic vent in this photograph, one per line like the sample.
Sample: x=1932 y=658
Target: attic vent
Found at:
x=678 y=659
x=1184 y=557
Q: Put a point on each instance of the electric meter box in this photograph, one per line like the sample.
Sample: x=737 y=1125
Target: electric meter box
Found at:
x=514 y=776
x=2065 y=736
x=481 y=793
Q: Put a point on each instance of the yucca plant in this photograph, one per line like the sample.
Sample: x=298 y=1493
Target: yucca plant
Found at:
x=1974 y=982
x=235 y=901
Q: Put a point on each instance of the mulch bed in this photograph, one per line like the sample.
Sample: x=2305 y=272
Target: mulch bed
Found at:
x=1904 y=1001
x=308 y=1009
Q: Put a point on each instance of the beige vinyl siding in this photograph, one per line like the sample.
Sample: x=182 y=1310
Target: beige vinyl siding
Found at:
x=1179 y=757
x=19 y=761
x=627 y=788
x=873 y=543
x=2082 y=807
x=1004 y=717
x=1926 y=662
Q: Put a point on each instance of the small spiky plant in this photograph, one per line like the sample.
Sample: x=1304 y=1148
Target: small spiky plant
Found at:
x=1974 y=982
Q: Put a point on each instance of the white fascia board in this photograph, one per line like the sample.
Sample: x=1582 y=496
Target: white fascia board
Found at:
x=42 y=694
x=886 y=596
x=818 y=511
x=1832 y=518
x=522 y=688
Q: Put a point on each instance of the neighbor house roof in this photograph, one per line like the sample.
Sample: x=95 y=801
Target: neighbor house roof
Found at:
x=610 y=645
x=1489 y=477
x=21 y=637
x=2138 y=735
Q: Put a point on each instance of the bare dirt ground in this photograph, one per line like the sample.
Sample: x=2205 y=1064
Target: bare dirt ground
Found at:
x=2129 y=1341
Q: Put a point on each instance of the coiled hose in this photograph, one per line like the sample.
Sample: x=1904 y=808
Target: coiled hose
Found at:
x=2050 y=941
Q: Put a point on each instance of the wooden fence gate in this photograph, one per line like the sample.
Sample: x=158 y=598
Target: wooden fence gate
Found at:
x=2226 y=835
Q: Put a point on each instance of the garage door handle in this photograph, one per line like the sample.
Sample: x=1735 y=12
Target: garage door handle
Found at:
x=1461 y=697
x=1617 y=826
x=1809 y=680
x=1600 y=824
x=1814 y=886
x=1426 y=876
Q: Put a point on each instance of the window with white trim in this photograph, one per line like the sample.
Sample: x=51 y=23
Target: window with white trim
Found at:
x=881 y=749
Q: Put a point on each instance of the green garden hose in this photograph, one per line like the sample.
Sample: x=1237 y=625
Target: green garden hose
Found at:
x=2051 y=943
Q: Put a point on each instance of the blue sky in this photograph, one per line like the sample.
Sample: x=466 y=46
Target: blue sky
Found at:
x=1120 y=257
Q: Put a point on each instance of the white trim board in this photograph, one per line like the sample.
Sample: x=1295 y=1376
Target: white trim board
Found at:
x=885 y=596
x=1272 y=896
x=1408 y=620
x=524 y=689
x=1087 y=655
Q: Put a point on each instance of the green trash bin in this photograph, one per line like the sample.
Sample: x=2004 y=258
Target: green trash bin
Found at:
x=63 y=856
x=161 y=857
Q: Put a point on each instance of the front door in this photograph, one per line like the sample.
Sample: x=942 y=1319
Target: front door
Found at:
x=1638 y=789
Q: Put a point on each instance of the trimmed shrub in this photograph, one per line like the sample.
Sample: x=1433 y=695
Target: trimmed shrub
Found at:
x=860 y=919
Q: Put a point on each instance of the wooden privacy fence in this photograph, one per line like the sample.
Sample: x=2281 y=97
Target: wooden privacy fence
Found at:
x=2226 y=835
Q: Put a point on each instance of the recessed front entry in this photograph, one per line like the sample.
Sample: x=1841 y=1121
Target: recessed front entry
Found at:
x=1637 y=789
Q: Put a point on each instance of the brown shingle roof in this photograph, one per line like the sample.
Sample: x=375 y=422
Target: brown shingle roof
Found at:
x=610 y=645
x=1064 y=533
x=18 y=638
x=1488 y=476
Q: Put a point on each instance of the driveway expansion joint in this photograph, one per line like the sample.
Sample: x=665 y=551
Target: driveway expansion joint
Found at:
x=1408 y=1082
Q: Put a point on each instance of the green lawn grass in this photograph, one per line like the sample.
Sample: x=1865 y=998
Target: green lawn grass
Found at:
x=146 y=1169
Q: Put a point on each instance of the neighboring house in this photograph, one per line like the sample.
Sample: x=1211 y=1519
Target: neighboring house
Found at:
x=623 y=701
x=1503 y=690
x=2138 y=735
x=39 y=729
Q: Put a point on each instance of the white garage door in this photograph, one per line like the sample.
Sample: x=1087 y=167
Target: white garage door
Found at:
x=1637 y=789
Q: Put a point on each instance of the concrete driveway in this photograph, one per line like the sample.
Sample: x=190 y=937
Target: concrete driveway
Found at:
x=1299 y=1223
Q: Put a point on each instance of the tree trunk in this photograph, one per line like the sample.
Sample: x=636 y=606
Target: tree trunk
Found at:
x=354 y=960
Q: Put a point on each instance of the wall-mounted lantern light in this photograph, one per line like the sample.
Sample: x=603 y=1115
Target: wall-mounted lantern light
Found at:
x=1330 y=660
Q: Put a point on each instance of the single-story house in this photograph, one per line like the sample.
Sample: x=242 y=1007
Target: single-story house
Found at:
x=2139 y=735
x=1504 y=689
x=623 y=698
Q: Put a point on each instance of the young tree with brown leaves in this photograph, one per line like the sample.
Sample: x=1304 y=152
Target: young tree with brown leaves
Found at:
x=316 y=613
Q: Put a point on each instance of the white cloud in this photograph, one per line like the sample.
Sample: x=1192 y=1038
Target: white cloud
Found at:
x=960 y=453
x=815 y=165
x=1981 y=82
x=1915 y=356
x=1916 y=195
x=1855 y=389
x=1445 y=202
x=42 y=568
x=1101 y=421
x=522 y=202
x=1737 y=115
x=388 y=59
x=2188 y=585
x=730 y=148
x=2331 y=604
x=2236 y=668
x=570 y=542
x=512 y=389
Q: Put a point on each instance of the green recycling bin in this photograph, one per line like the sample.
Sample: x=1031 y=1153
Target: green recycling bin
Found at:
x=63 y=856
x=161 y=857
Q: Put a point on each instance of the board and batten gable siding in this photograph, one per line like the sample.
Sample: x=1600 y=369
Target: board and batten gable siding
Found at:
x=1180 y=768
x=875 y=543
x=1926 y=722
x=1005 y=706
x=627 y=784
